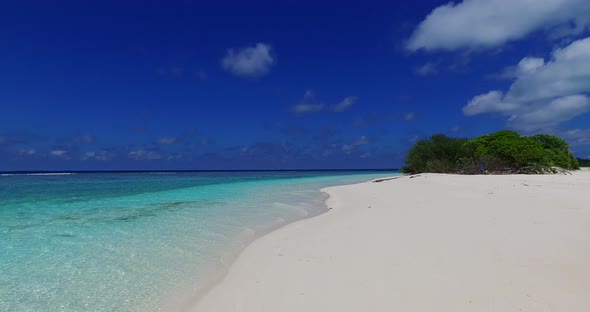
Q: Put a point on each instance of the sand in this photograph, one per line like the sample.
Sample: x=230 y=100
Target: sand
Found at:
x=428 y=243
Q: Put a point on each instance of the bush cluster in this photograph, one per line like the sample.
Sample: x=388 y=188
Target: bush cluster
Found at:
x=500 y=152
x=584 y=162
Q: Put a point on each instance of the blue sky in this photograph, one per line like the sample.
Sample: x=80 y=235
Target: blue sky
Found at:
x=300 y=85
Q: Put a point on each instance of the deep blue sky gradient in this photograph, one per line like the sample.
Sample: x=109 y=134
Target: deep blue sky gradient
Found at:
x=118 y=77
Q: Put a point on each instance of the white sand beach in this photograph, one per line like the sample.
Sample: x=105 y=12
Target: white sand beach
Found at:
x=428 y=243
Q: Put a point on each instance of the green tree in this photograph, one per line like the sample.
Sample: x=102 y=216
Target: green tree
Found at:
x=502 y=151
x=439 y=153
x=558 y=153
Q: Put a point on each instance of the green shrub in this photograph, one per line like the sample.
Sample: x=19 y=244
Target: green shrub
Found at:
x=439 y=153
x=503 y=151
x=557 y=151
x=583 y=162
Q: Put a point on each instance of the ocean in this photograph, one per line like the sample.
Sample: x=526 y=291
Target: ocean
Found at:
x=140 y=241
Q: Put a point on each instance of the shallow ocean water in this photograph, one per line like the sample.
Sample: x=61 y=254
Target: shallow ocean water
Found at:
x=139 y=241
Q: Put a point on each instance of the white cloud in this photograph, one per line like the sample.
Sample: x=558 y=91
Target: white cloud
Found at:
x=528 y=116
x=166 y=140
x=544 y=94
x=474 y=24
x=308 y=105
x=88 y=155
x=303 y=108
x=101 y=155
x=27 y=152
x=491 y=102
x=59 y=153
x=144 y=155
x=568 y=72
x=426 y=69
x=456 y=128
x=345 y=104
x=577 y=133
x=529 y=65
x=415 y=138
x=366 y=155
x=250 y=61
x=551 y=114
x=349 y=148
x=577 y=136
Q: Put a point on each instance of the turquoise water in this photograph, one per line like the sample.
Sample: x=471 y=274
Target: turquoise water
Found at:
x=139 y=242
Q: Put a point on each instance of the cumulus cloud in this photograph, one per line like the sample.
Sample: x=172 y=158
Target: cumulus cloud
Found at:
x=530 y=116
x=544 y=94
x=551 y=114
x=475 y=24
x=568 y=72
x=526 y=66
x=250 y=61
x=345 y=104
x=491 y=102
x=529 y=65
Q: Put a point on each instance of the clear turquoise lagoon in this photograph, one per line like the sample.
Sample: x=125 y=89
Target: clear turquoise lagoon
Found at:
x=139 y=241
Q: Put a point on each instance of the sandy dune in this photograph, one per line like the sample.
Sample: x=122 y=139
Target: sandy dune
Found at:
x=429 y=243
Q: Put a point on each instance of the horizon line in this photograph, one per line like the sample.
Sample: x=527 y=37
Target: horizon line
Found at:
x=187 y=170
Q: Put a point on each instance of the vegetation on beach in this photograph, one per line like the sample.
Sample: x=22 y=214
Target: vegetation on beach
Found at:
x=584 y=162
x=500 y=152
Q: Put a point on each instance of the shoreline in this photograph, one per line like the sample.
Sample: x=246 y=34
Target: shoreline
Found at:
x=218 y=272
x=189 y=300
x=355 y=256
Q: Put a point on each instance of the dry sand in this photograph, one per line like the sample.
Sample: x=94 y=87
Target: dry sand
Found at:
x=429 y=243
